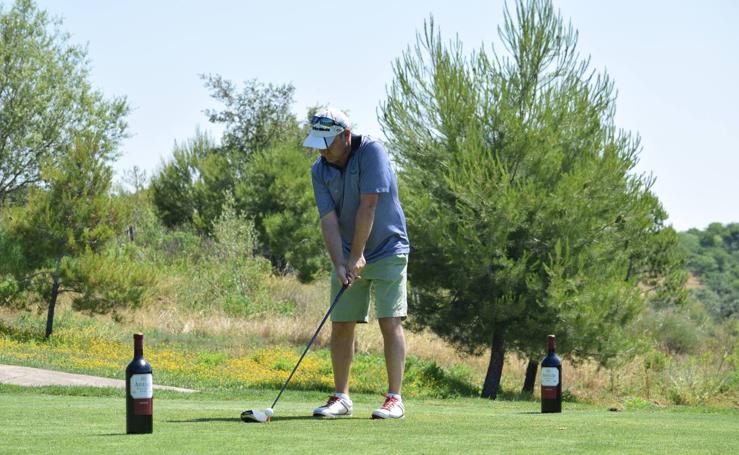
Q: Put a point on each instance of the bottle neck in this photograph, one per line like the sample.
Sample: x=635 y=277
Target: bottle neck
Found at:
x=551 y=344
x=138 y=345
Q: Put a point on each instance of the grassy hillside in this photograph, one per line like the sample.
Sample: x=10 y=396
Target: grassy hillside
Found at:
x=713 y=259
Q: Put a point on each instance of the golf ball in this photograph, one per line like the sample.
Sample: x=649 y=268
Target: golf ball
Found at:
x=269 y=412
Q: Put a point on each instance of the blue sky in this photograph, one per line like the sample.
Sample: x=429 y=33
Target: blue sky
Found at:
x=675 y=65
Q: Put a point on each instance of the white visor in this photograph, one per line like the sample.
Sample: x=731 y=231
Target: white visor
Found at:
x=318 y=142
x=326 y=124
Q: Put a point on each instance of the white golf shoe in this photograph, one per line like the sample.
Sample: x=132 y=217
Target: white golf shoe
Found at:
x=393 y=408
x=334 y=407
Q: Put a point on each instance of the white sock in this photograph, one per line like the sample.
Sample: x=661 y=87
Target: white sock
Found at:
x=343 y=396
x=391 y=395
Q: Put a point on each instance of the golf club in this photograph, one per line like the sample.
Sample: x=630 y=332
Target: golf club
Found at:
x=253 y=415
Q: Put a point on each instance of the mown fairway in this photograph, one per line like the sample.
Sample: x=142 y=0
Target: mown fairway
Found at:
x=53 y=422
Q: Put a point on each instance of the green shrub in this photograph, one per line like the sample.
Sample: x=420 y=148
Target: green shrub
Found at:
x=692 y=380
x=211 y=359
x=229 y=276
x=155 y=243
x=277 y=191
x=633 y=403
x=105 y=282
x=673 y=330
x=438 y=382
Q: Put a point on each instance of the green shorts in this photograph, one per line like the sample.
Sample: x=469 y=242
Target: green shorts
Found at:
x=387 y=279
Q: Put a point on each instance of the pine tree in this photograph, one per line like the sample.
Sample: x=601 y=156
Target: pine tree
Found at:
x=524 y=211
x=64 y=223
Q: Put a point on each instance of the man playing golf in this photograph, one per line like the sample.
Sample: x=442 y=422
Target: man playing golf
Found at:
x=365 y=233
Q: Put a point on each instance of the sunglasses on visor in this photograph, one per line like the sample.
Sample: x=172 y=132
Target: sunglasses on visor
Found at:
x=325 y=121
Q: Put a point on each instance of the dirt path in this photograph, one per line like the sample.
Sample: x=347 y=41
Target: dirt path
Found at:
x=35 y=377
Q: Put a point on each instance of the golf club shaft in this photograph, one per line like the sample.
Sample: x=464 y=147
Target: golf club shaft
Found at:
x=320 y=326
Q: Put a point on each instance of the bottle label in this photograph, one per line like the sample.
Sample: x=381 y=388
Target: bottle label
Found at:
x=549 y=377
x=142 y=386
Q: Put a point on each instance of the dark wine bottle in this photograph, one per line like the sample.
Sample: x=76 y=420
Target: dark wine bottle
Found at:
x=551 y=380
x=139 y=391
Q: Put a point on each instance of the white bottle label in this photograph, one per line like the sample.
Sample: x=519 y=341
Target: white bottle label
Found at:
x=142 y=386
x=549 y=377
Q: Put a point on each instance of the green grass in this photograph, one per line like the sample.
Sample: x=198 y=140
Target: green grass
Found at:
x=85 y=420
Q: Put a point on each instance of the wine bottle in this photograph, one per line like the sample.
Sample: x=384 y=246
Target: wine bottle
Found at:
x=139 y=391
x=551 y=380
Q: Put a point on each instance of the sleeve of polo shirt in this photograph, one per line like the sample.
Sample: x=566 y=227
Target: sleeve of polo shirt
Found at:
x=375 y=172
x=324 y=201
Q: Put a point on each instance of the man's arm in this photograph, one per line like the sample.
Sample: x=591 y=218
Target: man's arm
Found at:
x=362 y=228
x=332 y=239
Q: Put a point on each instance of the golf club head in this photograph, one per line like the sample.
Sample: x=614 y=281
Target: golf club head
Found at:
x=252 y=415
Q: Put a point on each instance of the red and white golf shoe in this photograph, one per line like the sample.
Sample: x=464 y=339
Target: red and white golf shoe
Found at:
x=393 y=408
x=334 y=407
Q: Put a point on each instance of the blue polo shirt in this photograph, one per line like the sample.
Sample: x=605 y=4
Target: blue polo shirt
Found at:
x=367 y=170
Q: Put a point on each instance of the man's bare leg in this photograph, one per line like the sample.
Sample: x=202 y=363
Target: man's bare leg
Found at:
x=342 y=352
x=392 y=333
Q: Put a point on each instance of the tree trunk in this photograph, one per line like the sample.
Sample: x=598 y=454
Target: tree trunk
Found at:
x=530 y=381
x=495 y=368
x=52 y=303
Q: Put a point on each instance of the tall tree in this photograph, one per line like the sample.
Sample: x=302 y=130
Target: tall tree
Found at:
x=64 y=223
x=524 y=211
x=256 y=118
x=261 y=162
x=191 y=187
x=46 y=98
